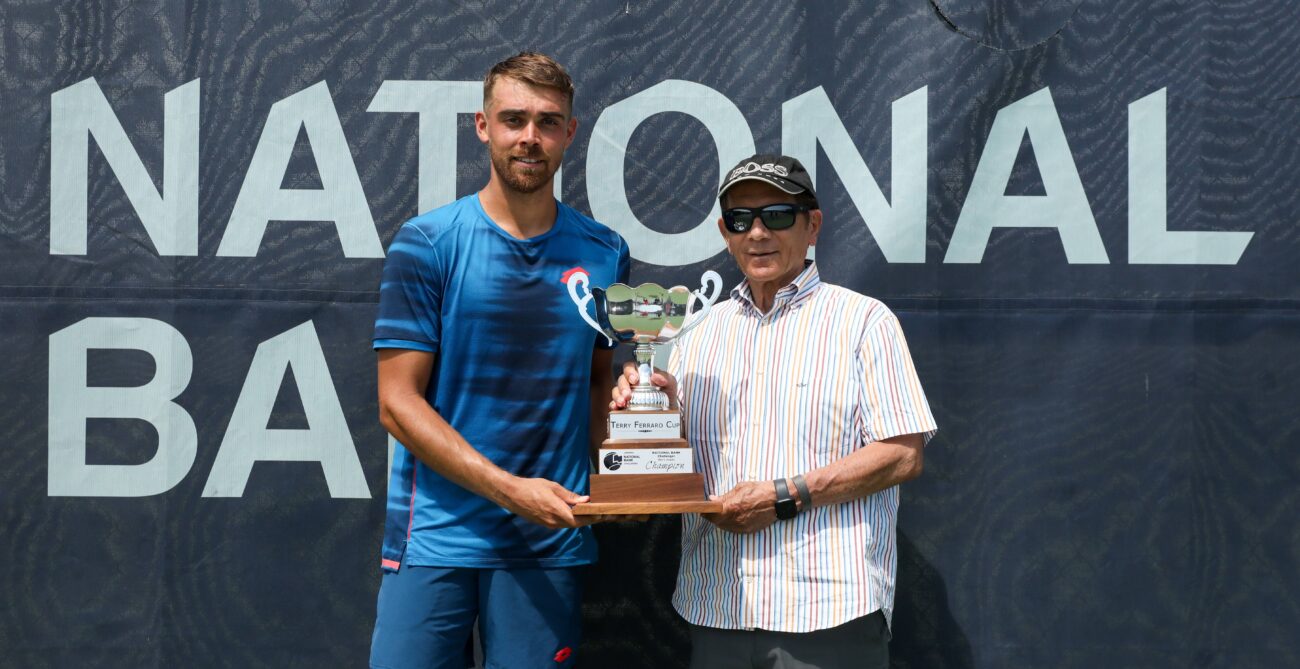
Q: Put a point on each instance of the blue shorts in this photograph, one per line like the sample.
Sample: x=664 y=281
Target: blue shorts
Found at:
x=526 y=618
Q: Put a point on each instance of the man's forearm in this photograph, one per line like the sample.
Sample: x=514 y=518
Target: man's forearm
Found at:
x=877 y=466
x=438 y=445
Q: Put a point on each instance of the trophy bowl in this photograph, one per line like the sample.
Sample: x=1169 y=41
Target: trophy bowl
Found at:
x=644 y=316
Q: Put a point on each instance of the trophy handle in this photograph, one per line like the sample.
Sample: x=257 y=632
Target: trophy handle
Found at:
x=712 y=281
x=580 y=278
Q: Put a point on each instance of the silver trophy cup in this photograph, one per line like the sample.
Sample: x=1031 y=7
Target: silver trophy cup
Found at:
x=645 y=316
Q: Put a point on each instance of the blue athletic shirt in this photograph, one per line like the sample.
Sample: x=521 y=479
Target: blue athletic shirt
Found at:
x=511 y=373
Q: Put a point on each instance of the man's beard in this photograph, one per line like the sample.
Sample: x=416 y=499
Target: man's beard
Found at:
x=523 y=183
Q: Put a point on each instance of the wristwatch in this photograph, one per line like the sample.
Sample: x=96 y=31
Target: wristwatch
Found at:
x=786 y=508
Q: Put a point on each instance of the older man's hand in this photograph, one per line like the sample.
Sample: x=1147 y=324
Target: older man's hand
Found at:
x=746 y=508
x=622 y=393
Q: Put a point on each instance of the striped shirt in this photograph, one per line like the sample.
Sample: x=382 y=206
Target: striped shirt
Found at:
x=824 y=372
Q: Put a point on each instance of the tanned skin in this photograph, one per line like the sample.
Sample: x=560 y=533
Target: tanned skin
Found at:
x=526 y=129
x=770 y=260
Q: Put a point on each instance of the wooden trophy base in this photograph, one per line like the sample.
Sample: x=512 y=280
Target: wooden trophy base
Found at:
x=646 y=468
x=643 y=494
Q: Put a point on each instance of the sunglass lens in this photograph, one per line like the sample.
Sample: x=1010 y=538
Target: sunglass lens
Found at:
x=778 y=219
x=775 y=217
x=738 y=221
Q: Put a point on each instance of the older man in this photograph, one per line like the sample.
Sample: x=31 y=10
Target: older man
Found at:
x=805 y=413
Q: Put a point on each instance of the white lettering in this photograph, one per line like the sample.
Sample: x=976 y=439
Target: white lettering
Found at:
x=327 y=439
x=72 y=401
x=607 y=153
x=1150 y=241
x=1064 y=207
x=170 y=217
x=340 y=199
x=169 y=214
x=898 y=228
x=437 y=103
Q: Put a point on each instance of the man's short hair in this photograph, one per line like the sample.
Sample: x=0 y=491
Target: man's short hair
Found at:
x=530 y=67
x=807 y=200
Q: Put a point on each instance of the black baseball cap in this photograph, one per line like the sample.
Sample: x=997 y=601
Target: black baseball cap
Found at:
x=784 y=172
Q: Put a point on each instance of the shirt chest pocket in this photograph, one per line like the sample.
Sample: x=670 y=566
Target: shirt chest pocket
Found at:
x=823 y=406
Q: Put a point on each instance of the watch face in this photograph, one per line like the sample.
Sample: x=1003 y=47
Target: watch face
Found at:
x=786 y=509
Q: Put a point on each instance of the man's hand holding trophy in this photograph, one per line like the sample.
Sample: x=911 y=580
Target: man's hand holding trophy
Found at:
x=645 y=466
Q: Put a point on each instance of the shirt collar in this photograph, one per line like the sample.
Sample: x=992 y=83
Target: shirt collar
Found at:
x=791 y=295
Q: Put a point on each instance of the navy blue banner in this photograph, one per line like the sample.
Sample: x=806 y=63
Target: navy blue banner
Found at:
x=1084 y=213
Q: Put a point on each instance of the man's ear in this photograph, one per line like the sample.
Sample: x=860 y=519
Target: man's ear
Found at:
x=814 y=226
x=480 y=126
x=572 y=132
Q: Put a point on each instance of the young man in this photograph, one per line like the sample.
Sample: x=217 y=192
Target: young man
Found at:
x=805 y=413
x=491 y=382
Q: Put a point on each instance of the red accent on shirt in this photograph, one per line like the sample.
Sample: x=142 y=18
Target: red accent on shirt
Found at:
x=565 y=279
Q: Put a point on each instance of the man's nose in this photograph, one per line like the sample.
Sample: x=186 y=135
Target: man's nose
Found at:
x=758 y=228
x=531 y=134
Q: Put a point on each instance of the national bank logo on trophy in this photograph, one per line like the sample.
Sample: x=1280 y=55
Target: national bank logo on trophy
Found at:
x=645 y=465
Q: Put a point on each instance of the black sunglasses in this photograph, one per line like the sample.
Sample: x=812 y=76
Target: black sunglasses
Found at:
x=775 y=216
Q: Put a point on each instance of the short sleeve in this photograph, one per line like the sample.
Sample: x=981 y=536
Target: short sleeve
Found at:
x=890 y=396
x=410 y=294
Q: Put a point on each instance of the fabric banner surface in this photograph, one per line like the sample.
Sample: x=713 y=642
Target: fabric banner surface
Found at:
x=1084 y=213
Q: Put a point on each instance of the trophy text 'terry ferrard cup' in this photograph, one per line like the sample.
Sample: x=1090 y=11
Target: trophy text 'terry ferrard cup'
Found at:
x=645 y=465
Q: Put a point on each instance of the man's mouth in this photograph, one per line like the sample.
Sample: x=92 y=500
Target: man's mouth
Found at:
x=529 y=162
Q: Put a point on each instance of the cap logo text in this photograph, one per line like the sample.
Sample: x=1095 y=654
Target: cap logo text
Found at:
x=750 y=168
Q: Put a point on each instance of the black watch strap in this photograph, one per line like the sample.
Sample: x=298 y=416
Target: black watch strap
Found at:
x=785 y=505
x=804 y=495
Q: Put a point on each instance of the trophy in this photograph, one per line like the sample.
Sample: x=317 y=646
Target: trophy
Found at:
x=645 y=466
